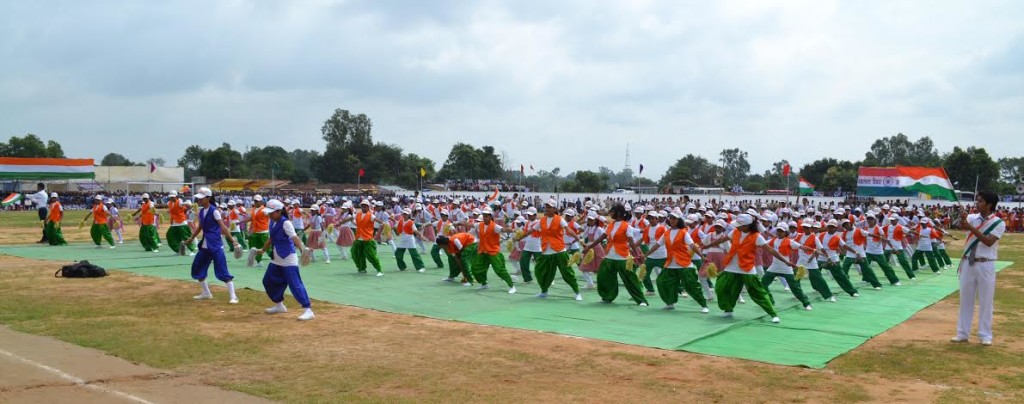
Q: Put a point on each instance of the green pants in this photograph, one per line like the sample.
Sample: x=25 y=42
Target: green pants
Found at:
x=548 y=264
x=840 y=277
x=729 y=286
x=177 y=234
x=435 y=254
x=485 y=261
x=865 y=271
x=652 y=263
x=257 y=241
x=794 y=286
x=919 y=256
x=901 y=257
x=101 y=232
x=941 y=253
x=302 y=235
x=53 y=233
x=818 y=283
x=417 y=262
x=608 y=285
x=363 y=251
x=463 y=265
x=147 y=236
x=883 y=263
x=524 y=264
x=238 y=237
x=673 y=280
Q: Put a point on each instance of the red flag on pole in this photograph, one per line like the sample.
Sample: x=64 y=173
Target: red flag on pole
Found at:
x=152 y=167
x=785 y=170
x=362 y=172
x=522 y=169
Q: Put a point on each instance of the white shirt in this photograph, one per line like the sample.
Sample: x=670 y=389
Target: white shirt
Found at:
x=805 y=256
x=777 y=265
x=833 y=255
x=660 y=253
x=531 y=243
x=924 y=241
x=631 y=232
x=874 y=245
x=734 y=264
x=39 y=198
x=292 y=260
x=671 y=234
x=982 y=250
x=535 y=226
x=406 y=240
x=858 y=251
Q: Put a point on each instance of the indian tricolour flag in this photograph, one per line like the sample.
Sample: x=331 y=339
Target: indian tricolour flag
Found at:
x=17 y=168
x=12 y=199
x=931 y=181
x=806 y=188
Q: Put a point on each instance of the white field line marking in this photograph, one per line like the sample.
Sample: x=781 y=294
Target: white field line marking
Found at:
x=75 y=380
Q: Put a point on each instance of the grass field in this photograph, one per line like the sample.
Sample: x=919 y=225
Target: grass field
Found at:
x=353 y=354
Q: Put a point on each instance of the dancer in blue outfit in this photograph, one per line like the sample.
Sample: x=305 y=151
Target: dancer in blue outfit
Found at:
x=211 y=248
x=283 y=270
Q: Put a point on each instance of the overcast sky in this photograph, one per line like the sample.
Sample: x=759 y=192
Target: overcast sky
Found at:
x=552 y=83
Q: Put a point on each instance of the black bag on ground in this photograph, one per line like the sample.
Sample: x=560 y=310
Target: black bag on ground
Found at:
x=81 y=269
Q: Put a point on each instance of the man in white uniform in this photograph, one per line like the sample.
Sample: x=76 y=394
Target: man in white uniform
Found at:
x=978 y=269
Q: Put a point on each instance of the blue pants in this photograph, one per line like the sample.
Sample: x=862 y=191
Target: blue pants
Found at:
x=278 y=277
x=201 y=264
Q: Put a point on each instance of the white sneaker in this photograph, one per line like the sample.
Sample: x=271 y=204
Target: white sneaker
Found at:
x=832 y=299
x=579 y=297
x=704 y=310
x=897 y=284
x=308 y=315
x=379 y=274
x=643 y=304
x=938 y=272
x=669 y=307
x=483 y=287
x=855 y=295
x=156 y=251
x=986 y=342
x=512 y=290
x=808 y=308
x=202 y=297
x=727 y=314
x=233 y=301
x=447 y=279
x=327 y=261
x=276 y=309
x=742 y=301
x=421 y=270
x=775 y=320
x=112 y=247
x=786 y=288
x=541 y=295
x=958 y=339
x=684 y=295
x=467 y=284
x=99 y=247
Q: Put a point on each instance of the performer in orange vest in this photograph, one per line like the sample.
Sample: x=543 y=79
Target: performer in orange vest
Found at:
x=178 y=231
x=488 y=253
x=54 y=216
x=678 y=272
x=147 y=221
x=100 y=229
x=856 y=241
x=783 y=268
x=462 y=248
x=364 y=247
x=744 y=241
x=260 y=230
x=551 y=230
x=407 y=234
x=621 y=239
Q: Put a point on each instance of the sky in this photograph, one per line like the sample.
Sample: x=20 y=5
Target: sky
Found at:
x=563 y=84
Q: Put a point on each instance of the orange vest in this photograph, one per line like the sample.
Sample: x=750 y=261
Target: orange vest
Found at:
x=833 y=243
x=784 y=248
x=147 y=218
x=659 y=231
x=618 y=240
x=490 y=243
x=364 y=226
x=552 y=235
x=533 y=233
x=678 y=251
x=745 y=248
x=695 y=236
x=441 y=224
x=858 y=237
x=260 y=221
x=297 y=214
x=177 y=210
x=464 y=238
x=99 y=214
x=56 y=214
x=405 y=227
x=897 y=233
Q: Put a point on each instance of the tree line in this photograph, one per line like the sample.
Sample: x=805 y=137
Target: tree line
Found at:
x=350 y=149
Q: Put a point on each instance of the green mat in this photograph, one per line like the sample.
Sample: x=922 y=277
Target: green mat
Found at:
x=802 y=339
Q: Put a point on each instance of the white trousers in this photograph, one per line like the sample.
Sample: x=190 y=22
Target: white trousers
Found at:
x=976 y=281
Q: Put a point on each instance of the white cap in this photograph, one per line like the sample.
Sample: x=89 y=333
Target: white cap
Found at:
x=885 y=206
x=222 y=206
x=840 y=211
x=231 y=203
x=257 y=198
x=444 y=212
x=570 y=212
x=744 y=219
x=926 y=221
x=378 y=203
x=144 y=196
x=418 y=206
x=782 y=227
x=203 y=193
x=816 y=224
x=531 y=211
x=639 y=209
x=476 y=211
x=896 y=209
x=98 y=197
x=592 y=215
x=552 y=203
x=172 y=193
x=406 y=211
x=486 y=211
x=273 y=205
x=721 y=223
x=186 y=203
x=832 y=223
x=364 y=202
x=315 y=207
x=843 y=222
x=693 y=218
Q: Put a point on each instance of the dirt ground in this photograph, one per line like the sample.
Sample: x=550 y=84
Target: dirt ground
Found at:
x=355 y=354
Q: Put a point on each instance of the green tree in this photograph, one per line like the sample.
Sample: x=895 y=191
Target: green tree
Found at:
x=192 y=160
x=269 y=162
x=899 y=150
x=349 y=145
x=115 y=159
x=223 y=162
x=467 y=162
x=159 y=162
x=1011 y=170
x=691 y=170
x=302 y=161
x=816 y=172
x=735 y=166
x=839 y=177
x=965 y=167
x=587 y=181
x=30 y=146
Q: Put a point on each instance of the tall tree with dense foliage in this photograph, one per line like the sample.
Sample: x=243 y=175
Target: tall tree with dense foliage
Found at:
x=966 y=167
x=735 y=166
x=898 y=150
x=30 y=146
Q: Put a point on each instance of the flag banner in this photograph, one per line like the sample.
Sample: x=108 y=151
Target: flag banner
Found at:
x=12 y=199
x=362 y=172
x=522 y=169
x=806 y=188
x=880 y=181
x=152 y=167
x=927 y=180
x=641 y=169
x=785 y=170
x=494 y=195
x=531 y=167
x=423 y=172
x=17 y=168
